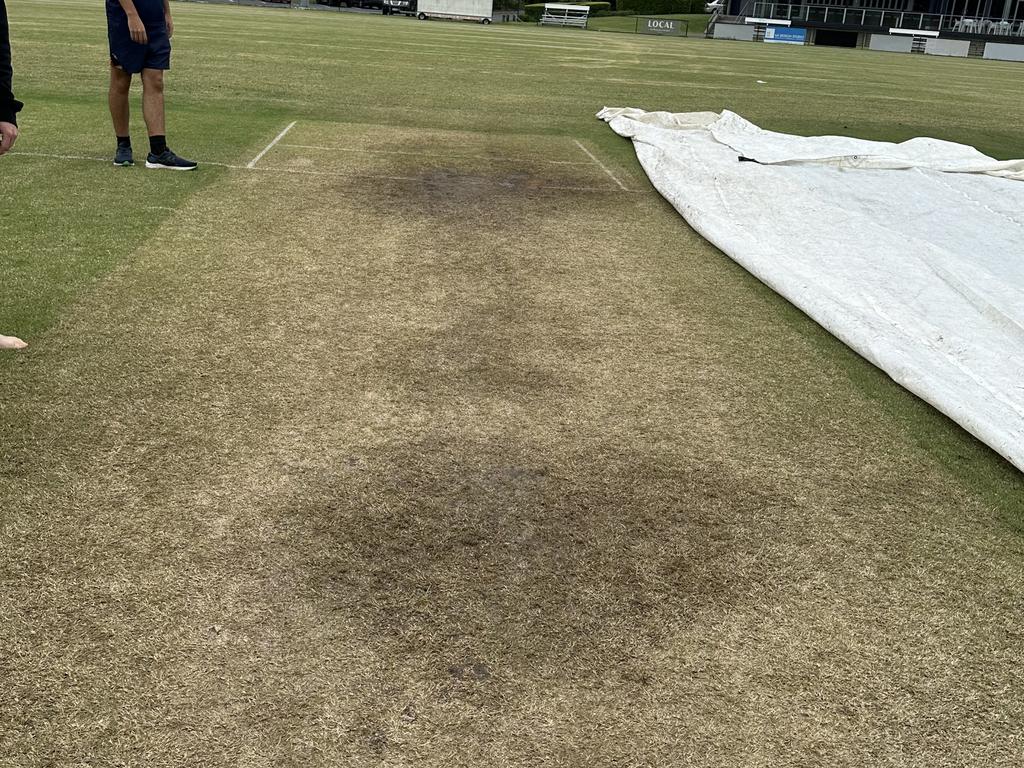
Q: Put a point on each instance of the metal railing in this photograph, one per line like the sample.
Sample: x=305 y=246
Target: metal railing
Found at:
x=879 y=19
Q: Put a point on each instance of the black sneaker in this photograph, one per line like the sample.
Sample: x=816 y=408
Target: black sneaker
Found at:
x=123 y=156
x=167 y=160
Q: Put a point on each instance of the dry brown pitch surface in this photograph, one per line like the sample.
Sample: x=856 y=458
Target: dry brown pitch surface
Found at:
x=447 y=488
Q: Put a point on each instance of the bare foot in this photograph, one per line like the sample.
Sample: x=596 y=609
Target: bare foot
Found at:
x=11 y=342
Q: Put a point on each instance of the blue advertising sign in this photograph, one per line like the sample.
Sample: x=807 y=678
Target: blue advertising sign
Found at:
x=791 y=35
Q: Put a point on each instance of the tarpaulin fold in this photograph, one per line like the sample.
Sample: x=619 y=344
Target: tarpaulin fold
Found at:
x=912 y=253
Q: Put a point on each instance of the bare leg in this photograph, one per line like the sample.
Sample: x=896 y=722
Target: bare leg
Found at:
x=120 y=84
x=153 y=101
x=11 y=342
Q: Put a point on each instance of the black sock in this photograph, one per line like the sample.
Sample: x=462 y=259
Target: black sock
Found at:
x=124 y=141
x=157 y=144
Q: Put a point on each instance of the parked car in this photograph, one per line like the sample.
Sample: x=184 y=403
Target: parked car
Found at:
x=399 y=7
x=715 y=6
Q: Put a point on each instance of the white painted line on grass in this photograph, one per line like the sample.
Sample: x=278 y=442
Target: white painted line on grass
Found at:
x=603 y=166
x=307 y=172
x=90 y=158
x=270 y=146
x=61 y=157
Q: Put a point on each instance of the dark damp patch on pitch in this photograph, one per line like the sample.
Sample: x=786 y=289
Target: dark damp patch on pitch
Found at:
x=451 y=186
x=476 y=355
x=485 y=562
x=477 y=671
x=480 y=327
x=475 y=195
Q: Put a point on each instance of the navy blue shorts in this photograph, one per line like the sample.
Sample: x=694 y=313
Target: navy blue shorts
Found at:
x=129 y=55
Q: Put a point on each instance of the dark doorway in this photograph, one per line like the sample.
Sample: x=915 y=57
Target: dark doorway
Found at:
x=835 y=37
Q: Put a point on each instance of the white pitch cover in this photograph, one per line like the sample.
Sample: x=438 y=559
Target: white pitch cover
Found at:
x=912 y=254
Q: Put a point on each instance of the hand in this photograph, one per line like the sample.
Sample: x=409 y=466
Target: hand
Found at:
x=170 y=25
x=8 y=135
x=137 y=29
x=11 y=342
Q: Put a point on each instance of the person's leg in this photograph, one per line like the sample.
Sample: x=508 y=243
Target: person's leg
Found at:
x=153 y=110
x=120 y=85
x=11 y=342
x=117 y=97
x=153 y=101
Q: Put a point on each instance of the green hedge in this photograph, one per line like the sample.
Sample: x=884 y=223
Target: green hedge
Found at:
x=654 y=7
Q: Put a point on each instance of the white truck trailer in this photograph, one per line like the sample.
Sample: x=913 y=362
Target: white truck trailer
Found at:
x=464 y=10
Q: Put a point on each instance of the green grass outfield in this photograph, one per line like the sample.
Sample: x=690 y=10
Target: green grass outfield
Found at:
x=431 y=436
